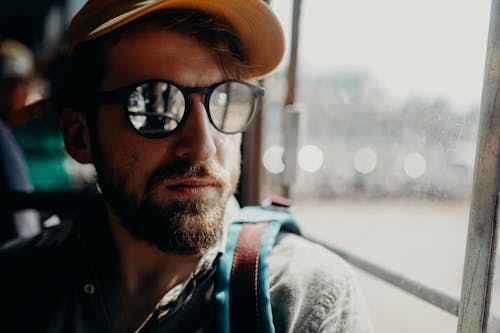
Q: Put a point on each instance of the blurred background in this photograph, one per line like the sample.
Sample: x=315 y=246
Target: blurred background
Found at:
x=387 y=95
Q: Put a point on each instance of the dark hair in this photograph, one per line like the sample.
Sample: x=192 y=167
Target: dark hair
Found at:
x=87 y=65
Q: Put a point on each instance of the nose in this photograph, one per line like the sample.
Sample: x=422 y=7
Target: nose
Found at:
x=195 y=141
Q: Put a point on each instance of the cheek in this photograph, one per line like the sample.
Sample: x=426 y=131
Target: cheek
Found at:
x=120 y=149
x=229 y=155
x=228 y=150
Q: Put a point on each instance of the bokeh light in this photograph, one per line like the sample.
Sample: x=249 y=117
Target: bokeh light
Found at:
x=273 y=160
x=415 y=165
x=365 y=160
x=310 y=158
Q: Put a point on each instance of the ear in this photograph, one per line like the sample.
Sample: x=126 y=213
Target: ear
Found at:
x=76 y=135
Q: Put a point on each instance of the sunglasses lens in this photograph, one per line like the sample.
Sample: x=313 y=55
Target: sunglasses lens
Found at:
x=155 y=108
x=232 y=105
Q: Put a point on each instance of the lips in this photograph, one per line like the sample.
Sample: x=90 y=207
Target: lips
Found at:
x=190 y=182
x=191 y=186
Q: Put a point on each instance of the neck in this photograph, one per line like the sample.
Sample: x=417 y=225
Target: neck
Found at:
x=144 y=267
x=145 y=274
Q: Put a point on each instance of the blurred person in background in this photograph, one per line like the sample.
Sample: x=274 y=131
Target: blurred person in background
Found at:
x=40 y=140
x=17 y=68
x=17 y=73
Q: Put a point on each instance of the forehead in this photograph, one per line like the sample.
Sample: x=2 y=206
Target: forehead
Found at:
x=149 y=51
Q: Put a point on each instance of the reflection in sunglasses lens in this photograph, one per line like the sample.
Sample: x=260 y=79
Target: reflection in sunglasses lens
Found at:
x=157 y=108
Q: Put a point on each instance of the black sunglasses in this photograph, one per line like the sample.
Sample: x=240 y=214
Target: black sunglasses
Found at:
x=156 y=108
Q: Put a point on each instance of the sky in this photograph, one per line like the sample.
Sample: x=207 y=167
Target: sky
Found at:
x=432 y=47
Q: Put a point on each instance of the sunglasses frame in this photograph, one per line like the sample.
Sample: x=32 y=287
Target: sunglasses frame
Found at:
x=122 y=95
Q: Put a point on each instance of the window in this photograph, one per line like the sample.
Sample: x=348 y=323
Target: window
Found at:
x=389 y=96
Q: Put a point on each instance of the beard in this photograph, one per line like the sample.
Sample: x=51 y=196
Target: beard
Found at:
x=177 y=225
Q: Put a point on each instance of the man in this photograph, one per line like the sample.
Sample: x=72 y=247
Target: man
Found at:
x=156 y=99
x=17 y=67
x=39 y=141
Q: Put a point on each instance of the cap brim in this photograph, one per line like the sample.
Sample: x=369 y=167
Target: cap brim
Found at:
x=253 y=21
x=29 y=112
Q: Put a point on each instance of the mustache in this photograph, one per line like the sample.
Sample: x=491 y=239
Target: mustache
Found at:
x=186 y=169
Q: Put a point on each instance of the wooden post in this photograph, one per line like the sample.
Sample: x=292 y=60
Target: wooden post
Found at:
x=482 y=234
x=292 y=73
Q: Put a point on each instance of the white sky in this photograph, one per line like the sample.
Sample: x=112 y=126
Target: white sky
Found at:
x=434 y=47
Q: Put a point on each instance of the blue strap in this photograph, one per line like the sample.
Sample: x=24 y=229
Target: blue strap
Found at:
x=277 y=219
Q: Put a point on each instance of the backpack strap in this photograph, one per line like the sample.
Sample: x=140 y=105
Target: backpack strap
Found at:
x=244 y=286
x=242 y=297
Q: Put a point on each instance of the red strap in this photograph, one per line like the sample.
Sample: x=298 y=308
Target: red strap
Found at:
x=243 y=294
x=281 y=202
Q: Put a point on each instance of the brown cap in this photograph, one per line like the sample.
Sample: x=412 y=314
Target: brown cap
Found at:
x=253 y=21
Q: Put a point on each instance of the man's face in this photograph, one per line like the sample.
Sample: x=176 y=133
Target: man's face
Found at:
x=172 y=191
x=13 y=94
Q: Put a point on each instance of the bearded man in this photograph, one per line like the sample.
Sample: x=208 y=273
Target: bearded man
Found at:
x=157 y=96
